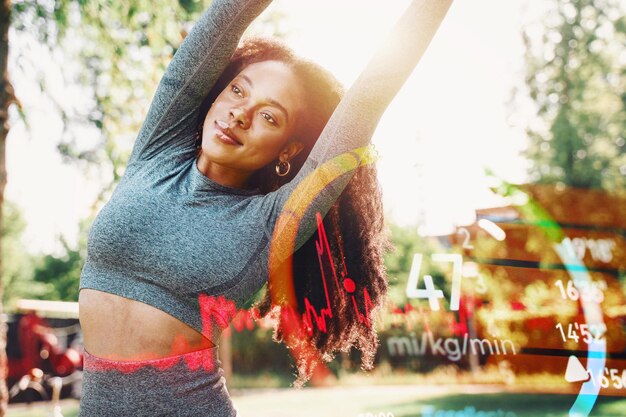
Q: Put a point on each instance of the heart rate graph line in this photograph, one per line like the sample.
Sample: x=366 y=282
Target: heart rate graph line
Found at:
x=323 y=248
x=350 y=286
x=367 y=302
x=311 y=316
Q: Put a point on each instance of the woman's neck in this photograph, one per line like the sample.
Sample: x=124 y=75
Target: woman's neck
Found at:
x=222 y=175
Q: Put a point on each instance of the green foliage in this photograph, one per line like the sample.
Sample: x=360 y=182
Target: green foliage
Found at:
x=255 y=351
x=116 y=52
x=575 y=76
x=44 y=277
x=61 y=274
x=17 y=271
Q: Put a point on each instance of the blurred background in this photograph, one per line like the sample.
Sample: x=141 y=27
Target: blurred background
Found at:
x=503 y=168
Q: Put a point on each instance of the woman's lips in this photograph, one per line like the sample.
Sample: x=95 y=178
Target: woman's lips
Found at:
x=225 y=135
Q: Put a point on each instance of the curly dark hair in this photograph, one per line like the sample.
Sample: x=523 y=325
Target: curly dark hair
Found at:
x=354 y=224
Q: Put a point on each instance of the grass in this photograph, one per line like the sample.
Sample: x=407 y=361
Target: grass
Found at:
x=414 y=401
x=400 y=401
x=69 y=408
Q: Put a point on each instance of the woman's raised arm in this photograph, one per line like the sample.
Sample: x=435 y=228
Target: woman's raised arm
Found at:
x=194 y=69
x=355 y=119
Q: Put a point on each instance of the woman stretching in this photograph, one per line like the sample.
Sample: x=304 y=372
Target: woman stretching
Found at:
x=227 y=151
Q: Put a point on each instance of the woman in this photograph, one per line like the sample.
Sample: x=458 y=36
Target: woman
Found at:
x=187 y=234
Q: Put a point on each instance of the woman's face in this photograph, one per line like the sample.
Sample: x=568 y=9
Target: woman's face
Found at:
x=254 y=118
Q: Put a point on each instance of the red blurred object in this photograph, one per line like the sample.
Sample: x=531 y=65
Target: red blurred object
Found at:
x=40 y=348
x=517 y=306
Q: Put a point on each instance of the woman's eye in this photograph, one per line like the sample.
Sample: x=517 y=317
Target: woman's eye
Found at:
x=269 y=118
x=236 y=90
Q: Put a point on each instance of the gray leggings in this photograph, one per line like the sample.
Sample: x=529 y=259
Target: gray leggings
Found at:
x=189 y=385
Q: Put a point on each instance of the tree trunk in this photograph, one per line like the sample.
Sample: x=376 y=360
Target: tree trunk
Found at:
x=6 y=97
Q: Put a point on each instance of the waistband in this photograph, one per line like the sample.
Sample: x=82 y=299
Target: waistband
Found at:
x=205 y=359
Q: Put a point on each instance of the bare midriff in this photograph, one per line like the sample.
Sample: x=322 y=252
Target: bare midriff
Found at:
x=119 y=328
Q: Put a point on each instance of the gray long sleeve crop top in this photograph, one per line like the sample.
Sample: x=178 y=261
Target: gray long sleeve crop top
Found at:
x=169 y=234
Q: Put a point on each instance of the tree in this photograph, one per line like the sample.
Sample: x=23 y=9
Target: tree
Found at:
x=7 y=97
x=115 y=53
x=577 y=80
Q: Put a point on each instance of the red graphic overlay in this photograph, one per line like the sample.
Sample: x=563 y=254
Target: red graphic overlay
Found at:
x=311 y=316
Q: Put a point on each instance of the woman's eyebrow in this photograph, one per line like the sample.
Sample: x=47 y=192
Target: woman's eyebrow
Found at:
x=268 y=100
x=279 y=106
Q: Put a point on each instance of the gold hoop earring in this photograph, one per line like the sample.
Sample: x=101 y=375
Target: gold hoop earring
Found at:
x=280 y=166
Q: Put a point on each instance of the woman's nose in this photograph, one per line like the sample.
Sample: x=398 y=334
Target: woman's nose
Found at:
x=239 y=116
